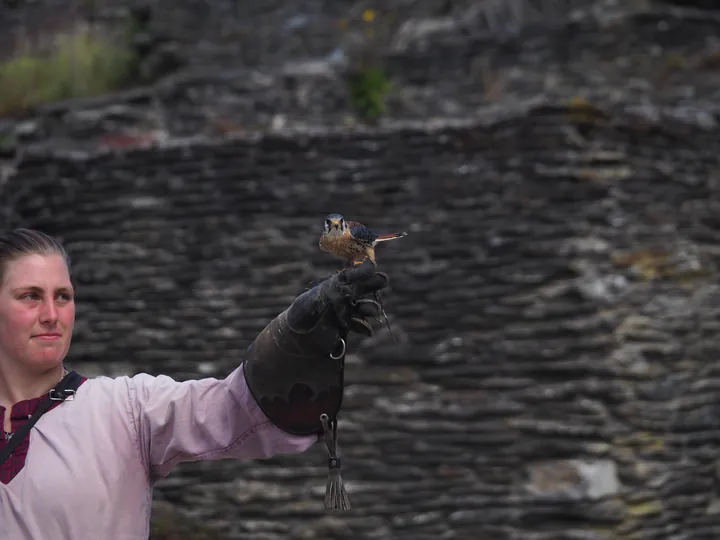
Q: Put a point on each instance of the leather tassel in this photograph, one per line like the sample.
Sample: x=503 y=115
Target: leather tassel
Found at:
x=336 y=497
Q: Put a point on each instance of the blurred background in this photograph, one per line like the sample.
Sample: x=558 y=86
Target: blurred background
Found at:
x=557 y=166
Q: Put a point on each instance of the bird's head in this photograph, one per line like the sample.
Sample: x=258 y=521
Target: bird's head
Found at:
x=335 y=224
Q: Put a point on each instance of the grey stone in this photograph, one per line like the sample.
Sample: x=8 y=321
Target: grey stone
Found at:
x=555 y=303
x=575 y=478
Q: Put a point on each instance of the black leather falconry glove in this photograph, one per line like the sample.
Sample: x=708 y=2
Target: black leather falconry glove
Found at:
x=295 y=366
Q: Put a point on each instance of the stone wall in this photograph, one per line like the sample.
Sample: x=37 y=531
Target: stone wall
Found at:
x=555 y=374
x=451 y=69
x=555 y=306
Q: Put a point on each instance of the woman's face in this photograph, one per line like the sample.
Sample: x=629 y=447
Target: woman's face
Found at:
x=37 y=312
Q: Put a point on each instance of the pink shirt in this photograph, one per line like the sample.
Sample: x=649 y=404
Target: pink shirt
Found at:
x=92 y=462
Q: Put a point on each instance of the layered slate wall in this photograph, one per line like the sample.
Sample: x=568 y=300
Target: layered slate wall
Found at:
x=556 y=373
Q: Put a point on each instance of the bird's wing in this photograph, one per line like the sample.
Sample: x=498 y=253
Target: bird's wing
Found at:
x=361 y=232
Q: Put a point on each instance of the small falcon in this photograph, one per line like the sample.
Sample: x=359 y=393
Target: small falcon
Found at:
x=351 y=241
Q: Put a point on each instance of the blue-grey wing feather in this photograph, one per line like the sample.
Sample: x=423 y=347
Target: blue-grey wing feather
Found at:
x=362 y=233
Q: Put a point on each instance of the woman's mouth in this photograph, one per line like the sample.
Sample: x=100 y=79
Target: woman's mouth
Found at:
x=47 y=337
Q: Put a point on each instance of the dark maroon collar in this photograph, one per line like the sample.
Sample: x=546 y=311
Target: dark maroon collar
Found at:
x=19 y=414
x=22 y=409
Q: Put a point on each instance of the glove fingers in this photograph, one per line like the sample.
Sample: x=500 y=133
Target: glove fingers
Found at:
x=360 y=272
x=364 y=307
x=361 y=326
x=373 y=283
x=364 y=279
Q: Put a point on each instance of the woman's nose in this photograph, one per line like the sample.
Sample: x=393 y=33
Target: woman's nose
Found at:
x=49 y=312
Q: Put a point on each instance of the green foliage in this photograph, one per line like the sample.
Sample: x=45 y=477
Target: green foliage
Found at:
x=368 y=90
x=368 y=34
x=80 y=65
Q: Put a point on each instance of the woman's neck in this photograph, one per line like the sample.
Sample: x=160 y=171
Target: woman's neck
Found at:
x=16 y=386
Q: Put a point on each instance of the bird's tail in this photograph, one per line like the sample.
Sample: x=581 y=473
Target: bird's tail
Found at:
x=390 y=236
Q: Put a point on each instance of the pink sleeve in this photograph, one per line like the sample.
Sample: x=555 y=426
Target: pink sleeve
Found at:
x=204 y=419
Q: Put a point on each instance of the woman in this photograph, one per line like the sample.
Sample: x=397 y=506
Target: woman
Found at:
x=88 y=465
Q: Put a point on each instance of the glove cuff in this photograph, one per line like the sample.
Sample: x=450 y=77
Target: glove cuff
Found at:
x=292 y=379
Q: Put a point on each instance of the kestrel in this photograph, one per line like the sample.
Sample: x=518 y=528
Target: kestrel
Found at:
x=351 y=241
